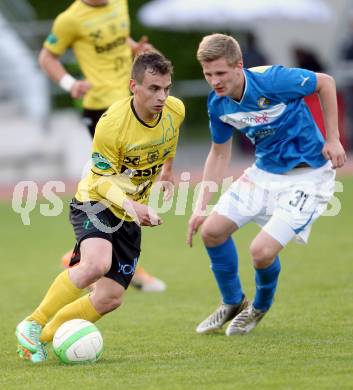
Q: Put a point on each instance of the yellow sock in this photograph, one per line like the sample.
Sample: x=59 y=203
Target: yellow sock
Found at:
x=81 y=308
x=60 y=293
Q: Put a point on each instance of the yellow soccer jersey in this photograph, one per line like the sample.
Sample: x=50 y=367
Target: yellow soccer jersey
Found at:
x=130 y=153
x=98 y=36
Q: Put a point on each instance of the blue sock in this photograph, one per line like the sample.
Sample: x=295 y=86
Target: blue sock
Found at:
x=224 y=264
x=266 y=283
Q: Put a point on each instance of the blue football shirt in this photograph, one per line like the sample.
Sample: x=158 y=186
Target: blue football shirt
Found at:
x=274 y=116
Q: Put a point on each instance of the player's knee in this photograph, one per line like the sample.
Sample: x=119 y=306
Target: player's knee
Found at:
x=211 y=236
x=92 y=271
x=262 y=255
x=98 y=269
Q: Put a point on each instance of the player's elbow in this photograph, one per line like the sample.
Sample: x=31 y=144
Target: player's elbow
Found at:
x=324 y=80
x=45 y=58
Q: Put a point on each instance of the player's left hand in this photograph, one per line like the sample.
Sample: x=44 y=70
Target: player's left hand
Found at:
x=143 y=215
x=333 y=150
x=167 y=179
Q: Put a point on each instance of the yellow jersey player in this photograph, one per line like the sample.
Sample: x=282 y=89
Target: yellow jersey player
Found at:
x=98 y=32
x=135 y=140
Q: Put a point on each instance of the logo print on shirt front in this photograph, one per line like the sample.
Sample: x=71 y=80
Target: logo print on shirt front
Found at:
x=96 y=35
x=243 y=119
x=134 y=160
x=263 y=102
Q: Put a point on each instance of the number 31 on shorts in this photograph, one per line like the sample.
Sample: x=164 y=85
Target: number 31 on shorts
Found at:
x=299 y=199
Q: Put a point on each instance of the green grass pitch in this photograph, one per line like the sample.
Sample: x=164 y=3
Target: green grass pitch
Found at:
x=305 y=342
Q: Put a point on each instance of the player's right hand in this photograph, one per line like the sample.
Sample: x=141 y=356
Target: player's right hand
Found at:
x=334 y=151
x=80 y=88
x=143 y=215
x=195 y=222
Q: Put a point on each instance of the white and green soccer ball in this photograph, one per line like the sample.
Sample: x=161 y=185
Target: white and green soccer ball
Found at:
x=78 y=341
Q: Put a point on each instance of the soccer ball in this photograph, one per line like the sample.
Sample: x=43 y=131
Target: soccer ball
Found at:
x=78 y=341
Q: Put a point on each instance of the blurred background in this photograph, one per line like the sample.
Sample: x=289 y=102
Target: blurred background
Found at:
x=41 y=133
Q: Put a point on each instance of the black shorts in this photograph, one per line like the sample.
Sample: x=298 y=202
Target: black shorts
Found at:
x=91 y=118
x=92 y=219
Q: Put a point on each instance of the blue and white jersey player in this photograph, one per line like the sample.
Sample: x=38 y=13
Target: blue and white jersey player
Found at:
x=287 y=188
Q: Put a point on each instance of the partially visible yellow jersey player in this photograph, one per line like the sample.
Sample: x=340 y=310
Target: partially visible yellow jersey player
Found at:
x=135 y=141
x=99 y=37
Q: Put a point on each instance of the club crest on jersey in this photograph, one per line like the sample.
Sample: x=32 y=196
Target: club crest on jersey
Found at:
x=100 y=161
x=263 y=102
x=152 y=156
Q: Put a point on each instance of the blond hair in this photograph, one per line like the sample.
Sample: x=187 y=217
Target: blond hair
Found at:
x=215 y=46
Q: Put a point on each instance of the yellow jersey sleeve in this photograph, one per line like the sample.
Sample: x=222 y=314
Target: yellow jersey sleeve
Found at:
x=106 y=146
x=63 y=34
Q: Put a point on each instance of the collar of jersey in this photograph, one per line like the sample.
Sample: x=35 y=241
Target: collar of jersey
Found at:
x=140 y=120
x=95 y=6
x=244 y=92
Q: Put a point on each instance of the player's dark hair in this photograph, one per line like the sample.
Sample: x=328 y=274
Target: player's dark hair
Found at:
x=152 y=61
